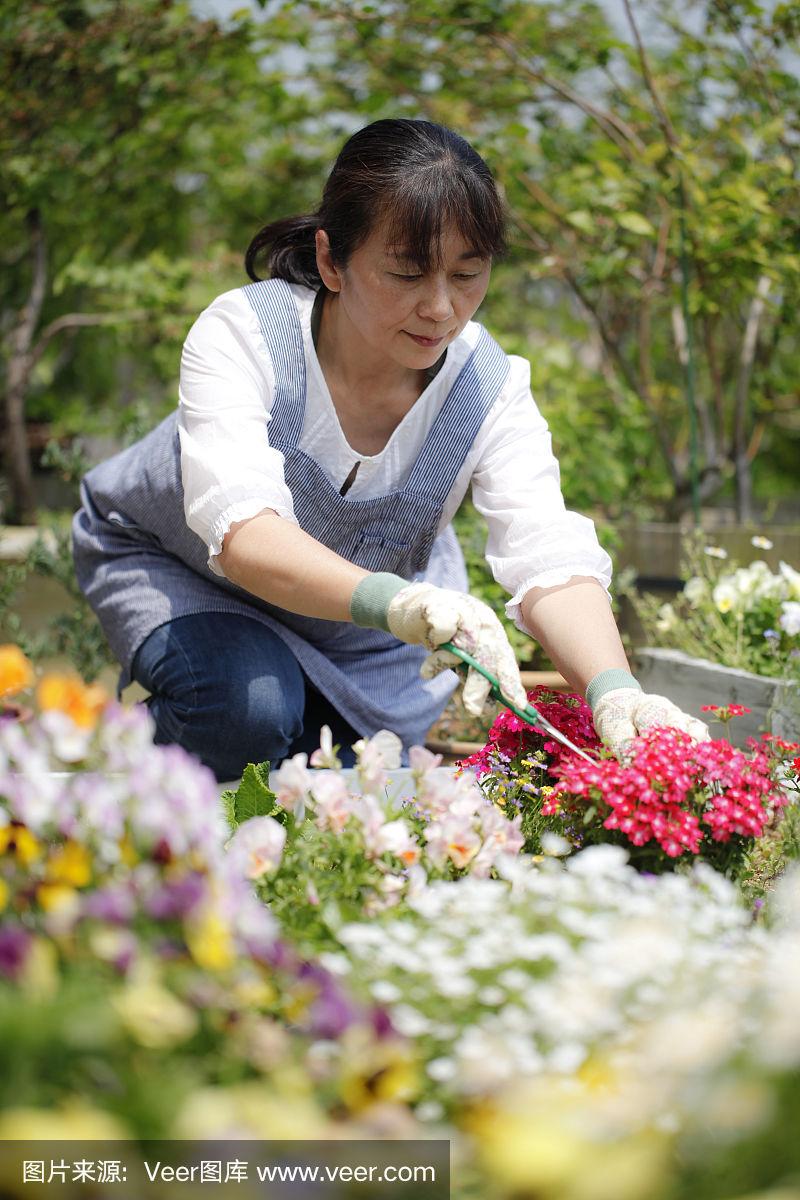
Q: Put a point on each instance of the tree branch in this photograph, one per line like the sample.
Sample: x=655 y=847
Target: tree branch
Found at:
x=618 y=130
x=17 y=454
x=749 y=342
x=663 y=116
x=82 y=320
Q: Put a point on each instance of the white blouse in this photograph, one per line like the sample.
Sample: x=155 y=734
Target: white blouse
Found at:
x=230 y=471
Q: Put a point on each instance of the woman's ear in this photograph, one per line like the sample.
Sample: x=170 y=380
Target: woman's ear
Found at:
x=328 y=273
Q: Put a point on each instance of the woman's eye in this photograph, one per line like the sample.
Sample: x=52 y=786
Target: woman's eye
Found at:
x=397 y=275
x=467 y=275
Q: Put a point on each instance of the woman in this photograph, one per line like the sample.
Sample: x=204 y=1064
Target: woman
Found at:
x=278 y=553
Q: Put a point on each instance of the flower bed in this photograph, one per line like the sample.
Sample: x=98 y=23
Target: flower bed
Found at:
x=733 y=633
x=670 y=799
x=306 y=958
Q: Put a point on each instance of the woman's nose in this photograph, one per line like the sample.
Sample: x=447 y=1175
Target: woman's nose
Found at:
x=436 y=303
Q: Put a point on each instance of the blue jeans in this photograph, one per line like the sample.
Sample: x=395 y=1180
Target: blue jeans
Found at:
x=227 y=689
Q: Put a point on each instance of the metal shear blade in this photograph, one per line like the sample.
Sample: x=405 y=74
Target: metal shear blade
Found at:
x=529 y=713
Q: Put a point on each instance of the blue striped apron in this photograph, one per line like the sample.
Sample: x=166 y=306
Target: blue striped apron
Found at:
x=140 y=565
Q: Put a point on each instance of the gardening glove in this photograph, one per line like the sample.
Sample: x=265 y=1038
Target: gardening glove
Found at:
x=425 y=615
x=621 y=710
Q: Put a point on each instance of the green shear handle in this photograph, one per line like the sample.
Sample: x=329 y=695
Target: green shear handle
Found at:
x=529 y=713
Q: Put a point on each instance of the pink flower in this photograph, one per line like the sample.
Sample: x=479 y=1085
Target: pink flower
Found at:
x=291 y=784
x=326 y=755
x=396 y=838
x=454 y=839
x=257 y=846
x=376 y=756
x=333 y=801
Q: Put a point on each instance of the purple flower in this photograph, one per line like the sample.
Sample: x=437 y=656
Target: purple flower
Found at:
x=281 y=957
x=114 y=903
x=381 y=1022
x=331 y=1013
x=177 y=898
x=14 y=946
x=772 y=635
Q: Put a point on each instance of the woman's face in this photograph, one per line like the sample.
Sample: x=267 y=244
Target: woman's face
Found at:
x=397 y=311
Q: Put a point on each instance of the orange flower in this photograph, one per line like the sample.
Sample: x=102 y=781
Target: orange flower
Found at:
x=16 y=671
x=82 y=702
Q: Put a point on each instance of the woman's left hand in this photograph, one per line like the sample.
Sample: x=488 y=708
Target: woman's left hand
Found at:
x=621 y=714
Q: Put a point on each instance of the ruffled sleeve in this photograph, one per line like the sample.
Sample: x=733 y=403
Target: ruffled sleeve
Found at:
x=229 y=470
x=533 y=539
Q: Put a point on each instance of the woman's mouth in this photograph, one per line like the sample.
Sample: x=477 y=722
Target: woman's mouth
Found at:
x=425 y=341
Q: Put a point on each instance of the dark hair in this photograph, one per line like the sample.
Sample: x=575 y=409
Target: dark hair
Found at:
x=419 y=176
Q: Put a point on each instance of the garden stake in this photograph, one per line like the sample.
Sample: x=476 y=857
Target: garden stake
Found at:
x=529 y=713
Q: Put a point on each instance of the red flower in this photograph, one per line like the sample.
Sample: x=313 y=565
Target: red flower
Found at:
x=680 y=795
x=673 y=791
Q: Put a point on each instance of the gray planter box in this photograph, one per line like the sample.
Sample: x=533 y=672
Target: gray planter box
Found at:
x=692 y=682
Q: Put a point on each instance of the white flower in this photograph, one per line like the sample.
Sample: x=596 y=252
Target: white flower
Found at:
x=667 y=618
x=555 y=845
x=70 y=742
x=792 y=578
x=442 y=1069
x=257 y=846
x=396 y=838
x=291 y=784
x=599 y=860
x=726 y=595
x=333 y=801
x=376 y=756
x=789 y=619
x=421 y=760
x=452 y=838
x=761 y=542
x=695 y=590
x=715 y=552
x=325 y=756
x=385 y=992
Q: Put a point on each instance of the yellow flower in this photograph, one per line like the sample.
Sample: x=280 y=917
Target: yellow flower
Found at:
x=299 y=1000
x=375 y=1072
x=82 y=702
x=153 y=1016
x=16 y=671
x=40 y=977
x=56 y=897
x=127 y=852
x=270 y=1109
x=550 y=1138
x=74 y=1120
x=25 y=846
x=4 y=894
x=70 y=864
x=210 y=940
x=254 y=993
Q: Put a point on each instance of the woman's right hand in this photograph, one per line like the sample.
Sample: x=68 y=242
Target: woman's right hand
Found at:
x=426 y=615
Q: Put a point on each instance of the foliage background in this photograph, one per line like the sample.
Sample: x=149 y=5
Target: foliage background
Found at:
x=145 y=144
x=648 y=154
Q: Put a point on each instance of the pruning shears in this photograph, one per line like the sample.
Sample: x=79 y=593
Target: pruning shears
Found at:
x=529 y=713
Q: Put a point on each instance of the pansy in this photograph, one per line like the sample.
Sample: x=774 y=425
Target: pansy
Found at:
x=292 y=783
x=257 y=846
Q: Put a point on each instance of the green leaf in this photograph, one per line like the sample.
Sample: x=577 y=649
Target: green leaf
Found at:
x=252 y=797
x=636 y=223
x=582 y=220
